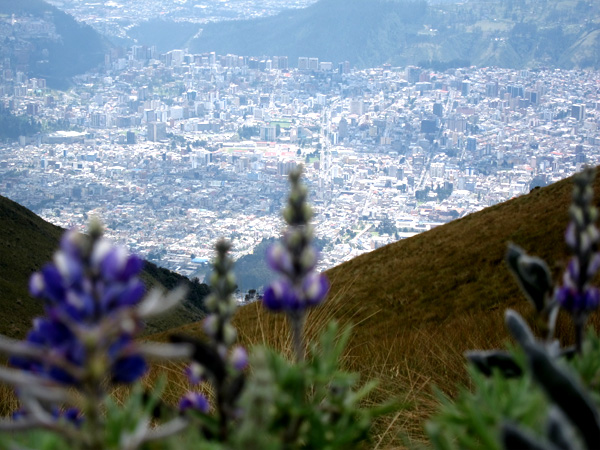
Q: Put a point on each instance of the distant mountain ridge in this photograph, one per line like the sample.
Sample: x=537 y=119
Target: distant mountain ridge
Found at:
x=27 y=242
x=368 y=33
x=56 y=48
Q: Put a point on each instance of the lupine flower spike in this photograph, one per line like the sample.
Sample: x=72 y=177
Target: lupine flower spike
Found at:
x=576 y=295
x=93 y=313
x=219 y=361
x=294 y=258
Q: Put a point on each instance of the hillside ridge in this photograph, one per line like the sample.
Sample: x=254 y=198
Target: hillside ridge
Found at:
x=369 y=33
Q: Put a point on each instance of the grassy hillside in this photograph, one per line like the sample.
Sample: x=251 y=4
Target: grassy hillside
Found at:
x=418 y=304
x=28 y=242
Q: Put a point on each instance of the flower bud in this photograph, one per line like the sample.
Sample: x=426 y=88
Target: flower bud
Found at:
x=308 y=259
x=577 y=215
x=194 y=401
x=278 y=258
x=229 y=334
x=239 y=358
x=211 y=325
x=194 y=373
x=307 y=212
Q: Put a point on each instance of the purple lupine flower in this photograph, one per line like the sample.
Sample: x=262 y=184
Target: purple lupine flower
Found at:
x=295 y=259
x=300 y=286
x=215 y=358
x=85 y=287
x=576 y=295
x=93 y=313
x=574 y=300
x=194 y=401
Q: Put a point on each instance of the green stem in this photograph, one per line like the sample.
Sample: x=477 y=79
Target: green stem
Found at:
x=296 y=319
x=580 y=320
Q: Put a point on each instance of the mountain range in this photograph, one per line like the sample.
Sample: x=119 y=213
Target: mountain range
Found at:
x=368 y=33
x=44 y=42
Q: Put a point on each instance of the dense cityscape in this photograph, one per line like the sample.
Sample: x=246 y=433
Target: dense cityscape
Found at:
x=173 y=150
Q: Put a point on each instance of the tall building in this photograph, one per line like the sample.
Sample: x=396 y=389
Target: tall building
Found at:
x=471 y=144
x=437 y=170
x=156 y=131
x=268 y=133
x=465 y=88
x=578 y=111
x=303 y=63
x=412 y=74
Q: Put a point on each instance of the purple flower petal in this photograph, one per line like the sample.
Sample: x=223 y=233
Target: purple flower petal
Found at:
x=194 y=373
x=36 y=285
x=128 y=369
x=113 y=263
x=54 y=283
x=239 y=358
x=279 y=259
x=69 y=243
x=194 y=401
x=315 y=287
x=571 y=236
x=280 y=295
x=133 y=267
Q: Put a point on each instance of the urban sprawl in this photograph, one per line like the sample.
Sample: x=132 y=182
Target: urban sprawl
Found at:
x=172 y=151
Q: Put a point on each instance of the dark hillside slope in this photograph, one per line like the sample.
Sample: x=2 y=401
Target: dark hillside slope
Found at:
x=27 y=242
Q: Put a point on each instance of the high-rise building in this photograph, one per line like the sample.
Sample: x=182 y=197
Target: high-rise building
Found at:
x=412 y=74
x=578 y=111
x=465 y=88
x=471 y=144
x=437 y=170
x=156 y=131
x=268 y=133
x=302 y=63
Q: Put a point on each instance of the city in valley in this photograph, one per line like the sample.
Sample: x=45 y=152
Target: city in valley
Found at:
x=174 y=150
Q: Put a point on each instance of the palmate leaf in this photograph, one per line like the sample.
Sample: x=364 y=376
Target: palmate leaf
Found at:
x=532 y=274
x=487 y=361
x=560 y=386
